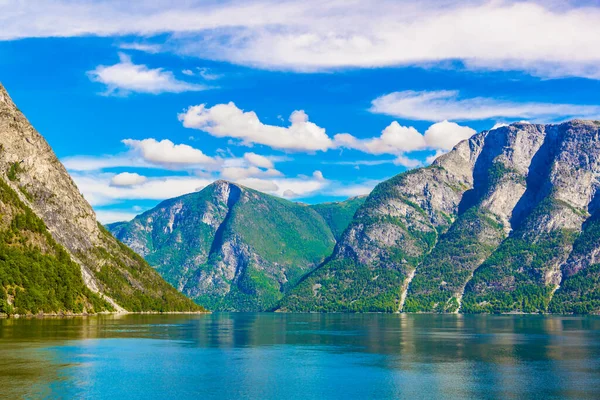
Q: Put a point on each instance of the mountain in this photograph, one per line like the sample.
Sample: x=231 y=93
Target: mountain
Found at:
x=508 y=221
x=233 y=248
x=54 y=256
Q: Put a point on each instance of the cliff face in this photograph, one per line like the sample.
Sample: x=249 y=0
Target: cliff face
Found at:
x=30 y=169
x=505 y=222
x=233 y=248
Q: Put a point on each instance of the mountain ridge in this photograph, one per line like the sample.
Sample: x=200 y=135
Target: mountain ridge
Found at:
x=512 y=196
x=232 y=247
x=41 y=184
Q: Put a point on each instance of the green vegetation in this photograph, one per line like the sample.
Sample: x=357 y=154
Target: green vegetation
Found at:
x=512 y=279
x=281 y=232
x=36 y=274
x=275 y=242
x=578 y=294
x=446 y=270
x=338 y=215
x=132 y=283
x=345 y=286
x=253 y=291
x=14 y=170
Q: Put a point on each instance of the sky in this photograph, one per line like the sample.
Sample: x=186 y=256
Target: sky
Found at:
x=308 y=100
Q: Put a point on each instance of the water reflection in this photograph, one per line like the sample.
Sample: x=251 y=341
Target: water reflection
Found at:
x=302 y=356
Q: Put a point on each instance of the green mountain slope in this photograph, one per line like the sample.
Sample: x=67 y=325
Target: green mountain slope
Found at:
x=505 y=222
x=36 y=273
x=60 y=231
x=233 y=248
x=339 y=214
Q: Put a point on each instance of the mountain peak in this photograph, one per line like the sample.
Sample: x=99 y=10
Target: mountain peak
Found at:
x=5 y=99
x=30 y=169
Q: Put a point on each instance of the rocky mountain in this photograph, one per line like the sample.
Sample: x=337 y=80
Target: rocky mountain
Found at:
x=233 y=248
x=54 y=256
x=508 y=221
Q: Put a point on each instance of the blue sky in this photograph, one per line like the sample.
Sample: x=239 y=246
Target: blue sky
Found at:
x=306 y=100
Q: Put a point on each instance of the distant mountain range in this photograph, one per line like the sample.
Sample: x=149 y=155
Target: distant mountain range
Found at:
x=233 y=248
x=54 y=256
x=506 y=222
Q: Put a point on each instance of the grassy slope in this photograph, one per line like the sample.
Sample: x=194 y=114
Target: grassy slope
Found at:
x=37 y=274
x=344 y=285
x=338 y=215
x=449 y=266
x=286 y=240
x=580 y=292
x=511 y=279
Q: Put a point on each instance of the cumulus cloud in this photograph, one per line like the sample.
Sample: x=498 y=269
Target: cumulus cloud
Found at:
x=237 y=173
x=258 y=161
x=98 y=190
x=398 y=139
x=407 y=162
x=125 y=179
x=432 y=157
x=394 y=138
x=165 y=152
x=445 y=135
x=126 y=77
x=448 y=105
x=546 y=38
x=227 y=120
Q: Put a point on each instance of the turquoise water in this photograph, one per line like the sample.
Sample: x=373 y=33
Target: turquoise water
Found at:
x=301 y=356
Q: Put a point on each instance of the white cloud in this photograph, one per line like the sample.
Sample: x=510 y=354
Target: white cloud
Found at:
x=547 y=38
x=126 y=77
x=98 y=191
x=144 y=47
x=394 y=139
x=499 y=125
x=237 y=173
x=447 y=105
x=110 y=216
x=433 y=157
x=207 y=75
x=96 y=163
x=352 y=190
x=258 y=160
x=125 y=179
x=227 y=120
x=204 y=73
x=445 y=135
x=407 y=162
x=165 y=152
x=398 y=139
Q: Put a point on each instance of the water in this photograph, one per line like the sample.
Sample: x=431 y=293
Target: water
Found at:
x=301 y=356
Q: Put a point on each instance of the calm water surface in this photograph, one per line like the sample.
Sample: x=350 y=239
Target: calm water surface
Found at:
x=301 y=356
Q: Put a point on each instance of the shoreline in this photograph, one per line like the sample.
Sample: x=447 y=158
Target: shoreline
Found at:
x=73 y=315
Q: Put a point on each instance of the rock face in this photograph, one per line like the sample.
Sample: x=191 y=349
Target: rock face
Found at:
x=233 y=248
x=30 y=169
x=505 y=222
